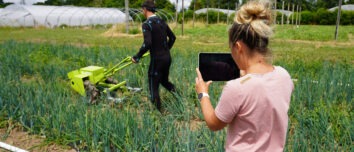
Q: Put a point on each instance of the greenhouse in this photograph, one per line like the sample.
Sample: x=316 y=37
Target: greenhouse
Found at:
x=229 y=12
x=16 y=15
x=225 y=11
x=344 y=8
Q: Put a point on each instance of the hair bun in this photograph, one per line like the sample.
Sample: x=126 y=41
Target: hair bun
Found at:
x=258 y=15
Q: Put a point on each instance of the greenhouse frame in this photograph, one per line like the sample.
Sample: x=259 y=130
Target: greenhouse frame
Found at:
x=16 y=15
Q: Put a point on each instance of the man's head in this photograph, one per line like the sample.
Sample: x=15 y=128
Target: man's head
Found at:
x=148 y=7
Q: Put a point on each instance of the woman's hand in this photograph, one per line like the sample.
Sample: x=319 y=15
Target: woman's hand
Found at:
x=213 y=122
x=200 y=85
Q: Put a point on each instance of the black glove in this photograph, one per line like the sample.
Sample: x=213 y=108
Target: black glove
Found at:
x=135 y=59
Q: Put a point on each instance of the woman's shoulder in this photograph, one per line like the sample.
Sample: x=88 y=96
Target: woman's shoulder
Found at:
x=282 y=71
x=240 y=82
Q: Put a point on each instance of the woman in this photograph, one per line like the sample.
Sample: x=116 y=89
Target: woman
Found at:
x=255 y=105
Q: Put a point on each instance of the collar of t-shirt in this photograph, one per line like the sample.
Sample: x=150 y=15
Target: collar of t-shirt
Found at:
x=152 y=16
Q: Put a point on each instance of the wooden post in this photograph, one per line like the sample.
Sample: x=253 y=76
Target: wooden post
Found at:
x=235 y=6
x=182 y=15
x=275 y=12
x=218 y=11
x=300 y=16
x=287 y=20
x=207 y=13
x=297 y=14
x=338 y=19
x=228 y=11
x=194 y=12
x=292 y=16
x=282 y=14
x=127 y=16
x=176 y=13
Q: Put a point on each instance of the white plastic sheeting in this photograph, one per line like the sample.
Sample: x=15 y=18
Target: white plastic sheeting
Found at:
x=229 y=12
x=53 y=16
x=11 y=148
x=225 y=11
x=285 y=12
x=344 y=8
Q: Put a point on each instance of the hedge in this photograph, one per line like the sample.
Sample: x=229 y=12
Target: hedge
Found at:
x=325 y=17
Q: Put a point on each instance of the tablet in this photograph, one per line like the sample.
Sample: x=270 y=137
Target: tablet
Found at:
x=218 y=67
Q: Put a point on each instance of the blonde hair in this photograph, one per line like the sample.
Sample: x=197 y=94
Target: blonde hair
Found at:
x=252 y=25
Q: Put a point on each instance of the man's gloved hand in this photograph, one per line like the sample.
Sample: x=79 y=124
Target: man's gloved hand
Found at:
x=135 y=59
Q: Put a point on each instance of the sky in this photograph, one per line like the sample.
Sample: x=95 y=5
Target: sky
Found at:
x=186 y=3
x=29 y=2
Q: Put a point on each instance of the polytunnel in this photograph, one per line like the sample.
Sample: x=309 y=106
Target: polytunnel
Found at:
x=16 y=15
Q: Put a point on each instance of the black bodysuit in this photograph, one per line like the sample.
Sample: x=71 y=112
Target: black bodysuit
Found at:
x=159 y=39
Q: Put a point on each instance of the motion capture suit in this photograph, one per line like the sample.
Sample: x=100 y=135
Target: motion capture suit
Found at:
x=156 y=32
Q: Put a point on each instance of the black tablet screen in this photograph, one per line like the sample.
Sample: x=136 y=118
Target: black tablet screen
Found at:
x=218 y=67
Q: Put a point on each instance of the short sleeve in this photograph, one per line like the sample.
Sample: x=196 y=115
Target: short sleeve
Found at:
x=229 y=102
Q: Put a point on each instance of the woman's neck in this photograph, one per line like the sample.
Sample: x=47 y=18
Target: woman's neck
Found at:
x=258 y=65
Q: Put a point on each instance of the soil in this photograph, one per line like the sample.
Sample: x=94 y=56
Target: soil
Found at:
x=116 y=32
x=31 y=143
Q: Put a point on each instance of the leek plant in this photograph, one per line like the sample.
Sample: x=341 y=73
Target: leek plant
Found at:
x=35 y=95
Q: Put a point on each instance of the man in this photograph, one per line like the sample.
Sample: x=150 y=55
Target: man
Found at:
x=159 y=39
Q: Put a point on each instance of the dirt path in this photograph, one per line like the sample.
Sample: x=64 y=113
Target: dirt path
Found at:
x=319 y=43
x=32 y=143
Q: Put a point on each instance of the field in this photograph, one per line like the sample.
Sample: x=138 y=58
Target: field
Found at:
x=36 y=97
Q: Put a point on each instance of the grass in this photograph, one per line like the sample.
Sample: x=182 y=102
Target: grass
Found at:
x=36 y=96
x=308 y=32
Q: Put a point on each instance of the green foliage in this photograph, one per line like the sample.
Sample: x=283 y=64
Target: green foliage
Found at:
x=134 y=4
x=223 y=4
x=327 y=3
x=307 y=17
x=188 y=16
x=2 y=5
x=134 y=31
x=165 y=15
x=347 y=18
x=165 y=4
x=350 y=2
x=325 y=17
x=231 y=17
x=139 y=17
x=279 y=16
x=212 y=17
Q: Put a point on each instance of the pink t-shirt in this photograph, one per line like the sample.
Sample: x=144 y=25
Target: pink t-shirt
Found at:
x=255 y=107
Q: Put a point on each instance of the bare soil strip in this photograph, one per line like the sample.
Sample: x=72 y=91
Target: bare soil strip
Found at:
x=33 y=143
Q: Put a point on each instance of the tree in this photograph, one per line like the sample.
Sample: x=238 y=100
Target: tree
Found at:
x=198 y=4
x=2 y=5
x=224 y=4
x=112 y=3
x=160 y=4
x=165 y=4
x=350 y=2
x=54 y=2
x=327 y=3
